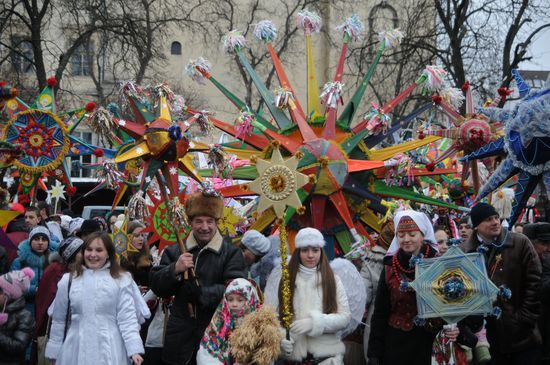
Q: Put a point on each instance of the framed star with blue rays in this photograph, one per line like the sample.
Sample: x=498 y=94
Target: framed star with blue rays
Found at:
x=453 y=286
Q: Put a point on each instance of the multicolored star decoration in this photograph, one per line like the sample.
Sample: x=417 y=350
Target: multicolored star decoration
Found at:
x=469 y=132
x=43 y=136
x=167 y=222
x=341 y=196
x=525 y=145
x=162 y=147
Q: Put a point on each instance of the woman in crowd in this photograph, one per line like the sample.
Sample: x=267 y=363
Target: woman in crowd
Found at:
x=370 y=271
x=319 y=304
x=138 y=261
x=395 y=337
x=60 y=263
x=94 y=319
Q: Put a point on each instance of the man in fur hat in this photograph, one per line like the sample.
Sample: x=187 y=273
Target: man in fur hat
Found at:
x=215 y=262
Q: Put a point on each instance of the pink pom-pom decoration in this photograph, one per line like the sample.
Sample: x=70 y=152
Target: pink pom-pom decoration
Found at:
x=265 y=31
x=434 y=75
x=391 y=38
x=243 y=125
x=309 y=21
x=198 y=70
x=28 y=272
x=233 y=41
x=353 y=27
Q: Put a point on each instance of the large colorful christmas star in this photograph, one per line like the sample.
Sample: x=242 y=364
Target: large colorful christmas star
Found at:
x=334 y=156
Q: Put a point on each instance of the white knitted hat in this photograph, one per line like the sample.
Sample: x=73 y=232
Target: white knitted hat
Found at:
x=256 y=242
x=309 y=237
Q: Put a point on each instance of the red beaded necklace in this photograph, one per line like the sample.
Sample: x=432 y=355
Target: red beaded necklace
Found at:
x=396 y=265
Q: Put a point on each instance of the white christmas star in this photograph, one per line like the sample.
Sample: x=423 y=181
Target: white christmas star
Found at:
x=57 y=191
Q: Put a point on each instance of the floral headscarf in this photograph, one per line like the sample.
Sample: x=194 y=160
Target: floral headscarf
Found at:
x=216 y=336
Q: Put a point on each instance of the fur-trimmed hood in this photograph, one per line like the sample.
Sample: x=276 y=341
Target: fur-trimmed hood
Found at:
x=16 y=305
x=30 y=258
x=55 y=257
x=375 y=254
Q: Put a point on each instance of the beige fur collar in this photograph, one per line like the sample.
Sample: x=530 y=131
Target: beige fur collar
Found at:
x=215 y=243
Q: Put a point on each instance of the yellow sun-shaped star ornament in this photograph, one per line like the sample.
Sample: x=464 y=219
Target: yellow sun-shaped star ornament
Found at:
x=229 y=220
x=277 y=183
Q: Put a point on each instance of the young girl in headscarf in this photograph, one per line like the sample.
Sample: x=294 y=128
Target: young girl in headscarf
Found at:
x=240 y=299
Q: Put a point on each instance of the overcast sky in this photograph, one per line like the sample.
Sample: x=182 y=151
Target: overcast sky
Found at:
x=540 y=51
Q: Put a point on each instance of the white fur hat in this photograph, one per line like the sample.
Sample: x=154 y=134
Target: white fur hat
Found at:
x=309 y=237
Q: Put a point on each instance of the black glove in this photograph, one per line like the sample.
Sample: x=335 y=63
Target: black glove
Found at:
x=192 y=290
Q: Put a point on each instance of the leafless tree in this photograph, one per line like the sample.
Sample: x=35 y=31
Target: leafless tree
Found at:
x=226 y=15
x=399 y=66
x=483 y=41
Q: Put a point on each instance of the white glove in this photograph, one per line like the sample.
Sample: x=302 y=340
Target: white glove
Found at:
x=287 y=346
x=301 y=326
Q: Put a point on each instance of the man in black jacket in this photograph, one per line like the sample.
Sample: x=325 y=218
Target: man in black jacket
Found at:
x=512 y=262
x=215 y=262
x=539 y=234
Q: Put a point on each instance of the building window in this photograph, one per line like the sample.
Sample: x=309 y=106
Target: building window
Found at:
x=23 y=55
x=76 y=170
x=175 y=48
x=81 y=60
x=382 y=17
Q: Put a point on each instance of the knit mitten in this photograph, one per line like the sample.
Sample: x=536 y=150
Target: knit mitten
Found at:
x=481 y=351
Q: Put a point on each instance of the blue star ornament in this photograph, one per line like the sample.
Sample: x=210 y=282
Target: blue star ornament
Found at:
x=453 y=286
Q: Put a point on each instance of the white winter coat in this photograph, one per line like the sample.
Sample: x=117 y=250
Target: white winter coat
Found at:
x=104 y=328
x=323 y=340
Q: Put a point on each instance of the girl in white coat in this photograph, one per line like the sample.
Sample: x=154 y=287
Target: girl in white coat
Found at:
x=320 y=305
x=94 y=319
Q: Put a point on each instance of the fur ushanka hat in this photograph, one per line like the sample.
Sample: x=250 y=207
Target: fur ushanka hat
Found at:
x=201 y=204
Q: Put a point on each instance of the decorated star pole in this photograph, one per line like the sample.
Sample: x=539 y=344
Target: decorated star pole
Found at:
x=277 y=185
x=331 y=95
x=310 y=22
x=378 y=116
x=388 y=39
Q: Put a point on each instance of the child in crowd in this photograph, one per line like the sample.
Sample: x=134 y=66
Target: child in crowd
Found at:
x=16 y=323
x=240 y=299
